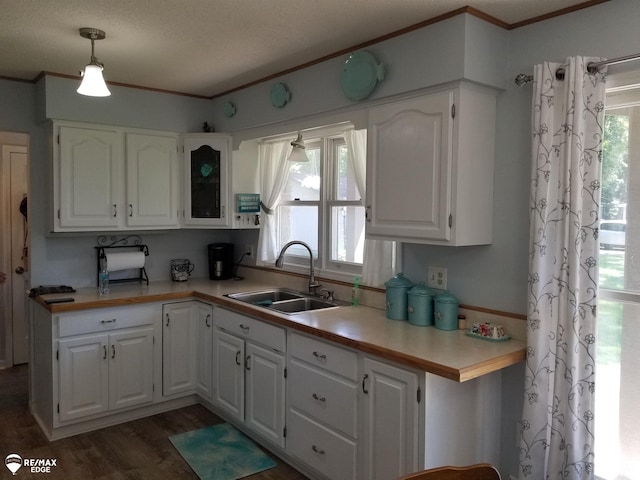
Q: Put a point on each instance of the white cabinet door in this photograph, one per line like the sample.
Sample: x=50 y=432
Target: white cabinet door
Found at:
x=131 y=368
x=229 y=373
x=391 y=416
x=178 y=348
x=430 y=168
x=204 y=350
x=88 y=178
x=207 y=175
x=265 y=390
x=152 y=180
x=83 y=377
x=409 y=168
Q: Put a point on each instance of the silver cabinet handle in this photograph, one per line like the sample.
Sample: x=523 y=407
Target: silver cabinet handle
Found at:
x=319 y=451
x=167 y=319
x=131 y=210
x=319 y=399
x=238 y=357
x=115 y=210
x=104 y=357
x=320 y=356
x=113 y=351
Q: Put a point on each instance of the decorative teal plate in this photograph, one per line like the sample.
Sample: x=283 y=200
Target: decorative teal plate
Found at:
x=229 y=109
x=280 y=95
x=360 y=74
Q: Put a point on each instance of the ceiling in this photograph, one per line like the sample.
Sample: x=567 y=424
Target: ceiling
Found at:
x=207 y=47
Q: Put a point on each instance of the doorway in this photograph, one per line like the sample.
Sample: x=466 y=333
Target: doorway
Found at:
x=14 y=248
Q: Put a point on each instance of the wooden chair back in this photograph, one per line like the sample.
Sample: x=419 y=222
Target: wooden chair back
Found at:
x=480 y=471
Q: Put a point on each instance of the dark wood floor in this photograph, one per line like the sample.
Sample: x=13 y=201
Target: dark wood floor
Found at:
x=134 y=450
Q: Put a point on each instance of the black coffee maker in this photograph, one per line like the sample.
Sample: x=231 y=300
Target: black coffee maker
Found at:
x=220 y=261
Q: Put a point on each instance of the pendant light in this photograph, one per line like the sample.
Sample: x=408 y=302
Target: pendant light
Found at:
x=93 y=84
x=298 y=154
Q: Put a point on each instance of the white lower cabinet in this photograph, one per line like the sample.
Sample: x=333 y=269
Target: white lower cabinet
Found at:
x=105 y=361
x=187 y=342
x=391 y=420
x=322 y=415
x=249 y=365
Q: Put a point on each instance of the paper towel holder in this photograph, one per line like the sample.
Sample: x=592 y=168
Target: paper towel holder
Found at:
x=114 y=243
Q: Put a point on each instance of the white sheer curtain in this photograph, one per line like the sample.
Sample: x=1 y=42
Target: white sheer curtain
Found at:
x=379 y=256
x=274 y=172
x=557 y=431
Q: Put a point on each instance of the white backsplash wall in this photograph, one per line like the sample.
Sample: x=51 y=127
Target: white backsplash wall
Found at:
x=72 y=260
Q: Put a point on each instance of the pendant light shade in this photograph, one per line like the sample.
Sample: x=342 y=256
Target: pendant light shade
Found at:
x=93 y=84
x=298 y=154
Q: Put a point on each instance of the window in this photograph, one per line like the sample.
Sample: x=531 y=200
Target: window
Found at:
x=617 y=428
x=321 y=206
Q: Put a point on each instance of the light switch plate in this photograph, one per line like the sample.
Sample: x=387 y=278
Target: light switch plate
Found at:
x=437 y=277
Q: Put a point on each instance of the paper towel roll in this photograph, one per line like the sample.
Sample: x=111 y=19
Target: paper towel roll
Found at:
x=125 y=261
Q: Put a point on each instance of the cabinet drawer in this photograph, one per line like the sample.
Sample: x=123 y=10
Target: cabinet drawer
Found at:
x=104 y=319
x=251 y=329
x=324 y=355
x=324 y=396
x=321 y=448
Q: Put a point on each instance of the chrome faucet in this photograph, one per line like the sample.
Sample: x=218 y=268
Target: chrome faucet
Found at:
x=313 y=285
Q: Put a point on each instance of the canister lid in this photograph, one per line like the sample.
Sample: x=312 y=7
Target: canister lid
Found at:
x=422 y=290
x=446 y=297
x=399 y=280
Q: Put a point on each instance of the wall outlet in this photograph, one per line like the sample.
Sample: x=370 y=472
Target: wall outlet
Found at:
x=437 y=277
x=249 y=250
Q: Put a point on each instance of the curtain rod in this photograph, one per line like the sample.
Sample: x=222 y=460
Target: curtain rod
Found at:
x=592 y=67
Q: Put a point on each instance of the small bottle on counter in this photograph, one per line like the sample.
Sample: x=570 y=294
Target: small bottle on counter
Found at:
x=355 y=292
x=462 y=322
x=103 y=278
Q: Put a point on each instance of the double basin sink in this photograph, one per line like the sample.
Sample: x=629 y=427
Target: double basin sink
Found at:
x=287 y=301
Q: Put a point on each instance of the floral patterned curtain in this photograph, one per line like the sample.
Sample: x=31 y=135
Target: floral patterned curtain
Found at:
x=557 y=434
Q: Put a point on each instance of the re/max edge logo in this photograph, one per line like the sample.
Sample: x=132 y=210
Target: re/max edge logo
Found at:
x=14 y=462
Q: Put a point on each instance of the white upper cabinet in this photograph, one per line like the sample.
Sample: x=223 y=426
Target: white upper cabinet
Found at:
x=87 y=178
x=430 y=168
x=107 y=178
x=152 y=180
x=207 y=180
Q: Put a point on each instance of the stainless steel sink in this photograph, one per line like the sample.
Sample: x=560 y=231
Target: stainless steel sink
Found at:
x=285 y=300
x=302 y=305
x=266 y=297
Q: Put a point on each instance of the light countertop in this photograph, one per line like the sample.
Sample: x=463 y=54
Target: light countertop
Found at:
x=450 y=354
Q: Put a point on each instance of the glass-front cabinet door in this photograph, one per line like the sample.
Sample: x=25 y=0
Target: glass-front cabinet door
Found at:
x=207 y=180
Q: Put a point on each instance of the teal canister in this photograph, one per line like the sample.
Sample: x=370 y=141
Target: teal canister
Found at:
x=397 y=288
x=445 y=311
x=420 y=305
